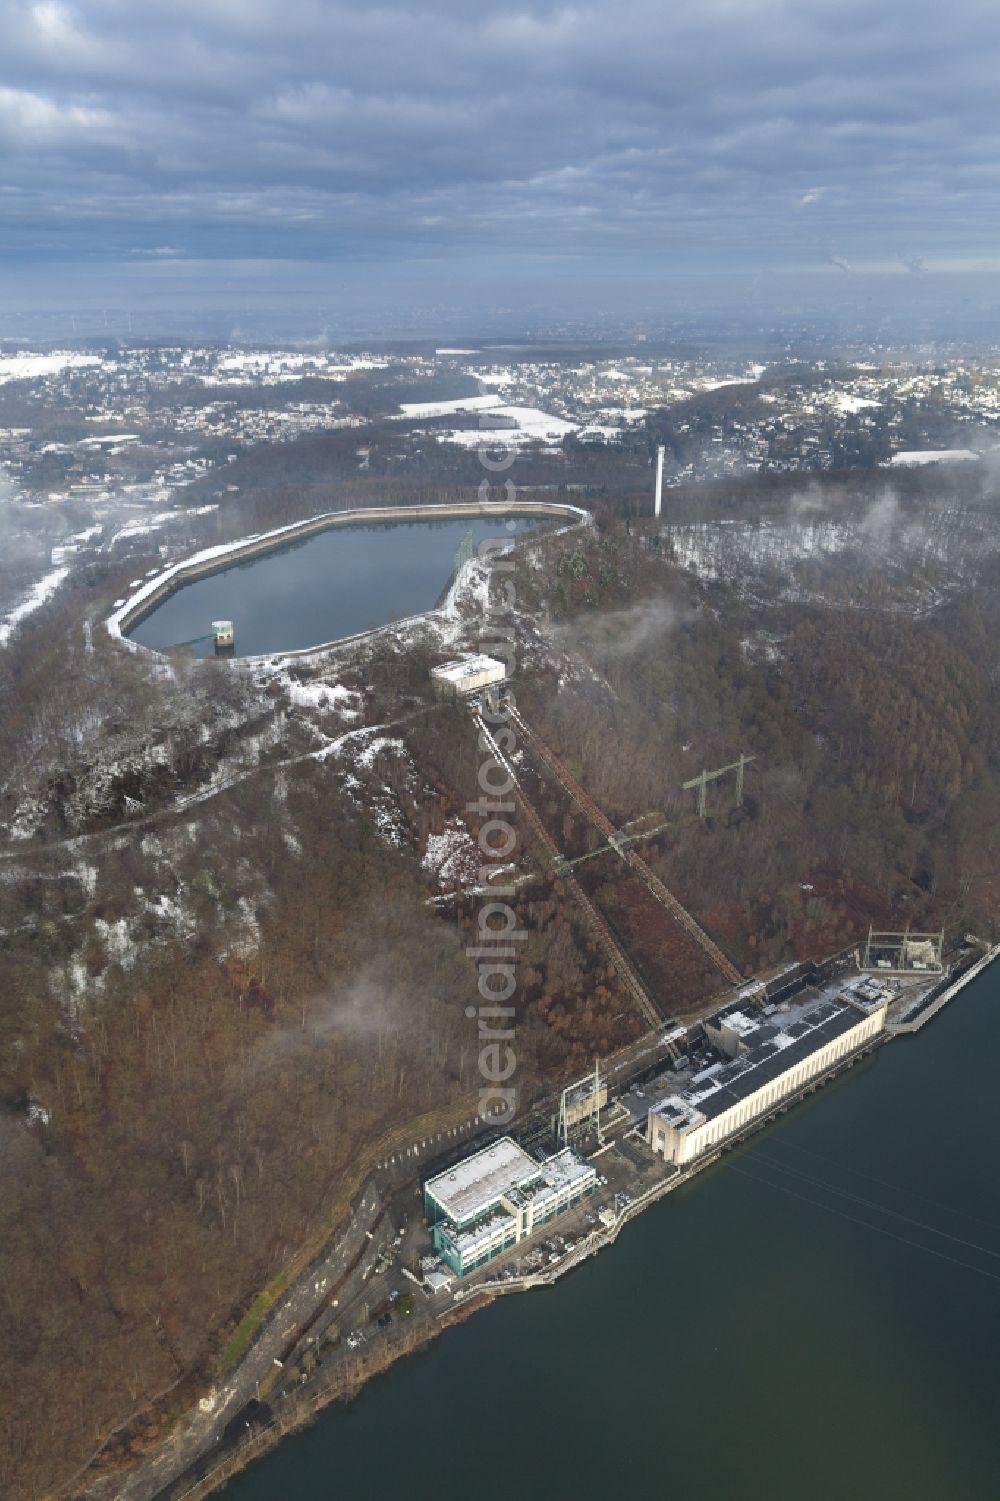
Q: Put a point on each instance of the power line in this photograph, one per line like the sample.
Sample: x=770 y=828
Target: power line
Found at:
x=865 y=1224
x=871 y=1204
x=897 y=1187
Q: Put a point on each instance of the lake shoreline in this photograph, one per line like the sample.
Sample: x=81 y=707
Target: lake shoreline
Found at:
x=131 y=612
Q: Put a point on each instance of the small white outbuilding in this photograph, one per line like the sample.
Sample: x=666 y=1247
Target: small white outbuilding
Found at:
x=468 y=674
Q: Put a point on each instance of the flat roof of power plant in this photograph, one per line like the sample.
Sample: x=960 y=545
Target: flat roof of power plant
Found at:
x=743 y=1023
x=566 y=1170
x=464 y=668
x=777 y=1046
x=471 y=1186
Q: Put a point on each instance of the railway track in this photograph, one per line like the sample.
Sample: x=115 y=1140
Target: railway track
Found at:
x=665 y=897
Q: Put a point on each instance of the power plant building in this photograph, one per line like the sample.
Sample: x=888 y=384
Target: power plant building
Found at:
x=495 y=1199
x=769 y=1058
x=467 y=675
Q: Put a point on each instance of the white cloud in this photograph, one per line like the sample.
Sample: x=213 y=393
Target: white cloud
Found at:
x=547 y=129
x=34 y=119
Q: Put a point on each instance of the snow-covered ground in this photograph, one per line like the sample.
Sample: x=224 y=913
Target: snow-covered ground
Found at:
x=140 y=526
x=531 y=425
x=773 y=553
x=452 y=856
x=850 y=405
x=934 y=456
x=732 y=380
x=494 y=377
x=35 y=366
x=320 y=695
x=274 y=366
x=40 y=595
x=416 y=409
x=374 y=747
x=626 y=415
x=364 y=752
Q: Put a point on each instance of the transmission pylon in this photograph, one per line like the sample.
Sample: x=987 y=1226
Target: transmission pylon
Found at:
x=701 y=781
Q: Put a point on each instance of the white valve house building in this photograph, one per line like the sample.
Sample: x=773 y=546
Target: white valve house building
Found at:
x=468 y=674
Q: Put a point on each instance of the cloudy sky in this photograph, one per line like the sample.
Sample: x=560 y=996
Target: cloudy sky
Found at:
x=163 y=142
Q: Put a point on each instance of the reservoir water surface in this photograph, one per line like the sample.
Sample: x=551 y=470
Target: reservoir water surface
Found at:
x=332 y=584
x=815 y=1317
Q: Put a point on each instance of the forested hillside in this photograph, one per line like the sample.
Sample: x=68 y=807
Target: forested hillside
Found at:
x=226 y=973
x=874 y=732
x=235 y=901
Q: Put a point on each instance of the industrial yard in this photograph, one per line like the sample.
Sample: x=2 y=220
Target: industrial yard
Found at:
x=400 y=1291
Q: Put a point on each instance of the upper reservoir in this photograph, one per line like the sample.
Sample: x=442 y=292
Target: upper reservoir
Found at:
x=332 y=584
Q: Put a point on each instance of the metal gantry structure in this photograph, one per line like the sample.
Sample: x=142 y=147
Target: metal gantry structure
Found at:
x=703 y=778
x=621 y=840
x=903 y=953
x=581 y=1101
x=653 y=883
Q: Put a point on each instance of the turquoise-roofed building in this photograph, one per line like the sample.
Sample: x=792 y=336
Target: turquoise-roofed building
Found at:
x=497 y=1197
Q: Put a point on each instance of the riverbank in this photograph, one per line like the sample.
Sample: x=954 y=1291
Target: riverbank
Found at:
x=649 y=1180
x=807 y=1292
x=928 y=1006
x=637 y=1181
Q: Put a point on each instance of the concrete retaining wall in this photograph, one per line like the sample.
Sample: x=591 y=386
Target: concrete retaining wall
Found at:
x=906 y=1027
x=216 y=559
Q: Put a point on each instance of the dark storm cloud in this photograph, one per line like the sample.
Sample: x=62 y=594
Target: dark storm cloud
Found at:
x=748 y=132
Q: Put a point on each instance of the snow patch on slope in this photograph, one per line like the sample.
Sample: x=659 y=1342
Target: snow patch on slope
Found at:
x=452 y=856
x=40 y=595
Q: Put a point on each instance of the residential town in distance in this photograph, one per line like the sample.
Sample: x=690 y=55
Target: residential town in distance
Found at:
x=113 y=447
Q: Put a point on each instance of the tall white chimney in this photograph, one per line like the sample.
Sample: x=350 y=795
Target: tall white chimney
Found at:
x=659 y=480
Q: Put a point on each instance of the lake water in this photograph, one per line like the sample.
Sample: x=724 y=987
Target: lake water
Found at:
x=332 y=584
x=815 y=1317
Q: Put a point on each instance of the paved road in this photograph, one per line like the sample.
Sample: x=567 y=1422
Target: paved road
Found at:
x=199 y=1431
x=197 y=1435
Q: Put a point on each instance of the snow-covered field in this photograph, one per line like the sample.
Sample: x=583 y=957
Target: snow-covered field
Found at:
x=934 y=456
x=272 y=367
x=494 y=377
x=36 y=366
x=417 y=409
x=850 y=405
x=531 y=425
